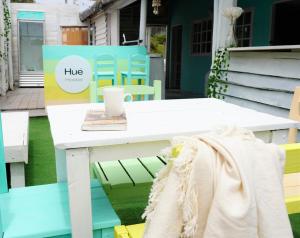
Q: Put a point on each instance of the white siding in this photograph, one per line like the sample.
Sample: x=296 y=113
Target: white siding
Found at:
x=264 y=80
x=101 y=29
x=56 y=16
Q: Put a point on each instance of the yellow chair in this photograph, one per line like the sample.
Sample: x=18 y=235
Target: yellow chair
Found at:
x=292 y=191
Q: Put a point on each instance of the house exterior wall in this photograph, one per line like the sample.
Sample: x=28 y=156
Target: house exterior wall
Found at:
x=194 y=68
x=56 y=16
x=114 y=27
x=100 y=22
x=263 y=80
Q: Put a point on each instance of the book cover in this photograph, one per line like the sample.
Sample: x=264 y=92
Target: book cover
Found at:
x=97 y=120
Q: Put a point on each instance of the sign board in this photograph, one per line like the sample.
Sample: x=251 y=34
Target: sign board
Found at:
x=68 y=70
x=73 y=74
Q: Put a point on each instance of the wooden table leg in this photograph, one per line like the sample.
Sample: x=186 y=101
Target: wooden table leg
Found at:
x=78 y=174
x=61 y=170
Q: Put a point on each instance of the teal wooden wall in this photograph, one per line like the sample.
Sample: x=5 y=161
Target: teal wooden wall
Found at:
x=185 y=13
x=262 y=17
x=194 y=68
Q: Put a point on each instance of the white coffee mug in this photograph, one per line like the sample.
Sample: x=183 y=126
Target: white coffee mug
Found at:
x=114 y=100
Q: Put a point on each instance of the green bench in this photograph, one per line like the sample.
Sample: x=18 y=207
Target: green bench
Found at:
x=43 y=211
x=127 y=183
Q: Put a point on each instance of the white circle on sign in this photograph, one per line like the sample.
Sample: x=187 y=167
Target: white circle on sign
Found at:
x=73 y=74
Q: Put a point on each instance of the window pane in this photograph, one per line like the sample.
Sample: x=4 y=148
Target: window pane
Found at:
x=247 y=18
x=239 y=21
x=246 y=31
x=209 y=25
x=246 y=43
x=204 y=26
x=239 y=33
x=208 y=47
x=31 y=40
x=197 y=49
x=194 y=37
x=203 y=36
x=209 y=36
x=243 y=29
x=203 y=48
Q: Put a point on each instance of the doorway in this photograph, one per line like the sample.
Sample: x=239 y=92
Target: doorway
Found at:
x=31 y=40
x=176 y=55
x=284 y=20
x=130 y=22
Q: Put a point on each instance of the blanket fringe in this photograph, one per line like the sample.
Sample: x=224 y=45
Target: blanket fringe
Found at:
x=188 y=199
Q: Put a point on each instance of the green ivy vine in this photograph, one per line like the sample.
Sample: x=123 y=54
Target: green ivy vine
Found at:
x=6 y=30
x=217 y=79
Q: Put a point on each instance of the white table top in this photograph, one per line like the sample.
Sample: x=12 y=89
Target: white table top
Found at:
x=15 y=135
x=157 y=120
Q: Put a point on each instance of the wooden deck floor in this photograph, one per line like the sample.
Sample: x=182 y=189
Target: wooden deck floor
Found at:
x=24 y=99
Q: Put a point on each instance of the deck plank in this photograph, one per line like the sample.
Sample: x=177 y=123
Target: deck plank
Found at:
x=33 y=101
x=23 y=99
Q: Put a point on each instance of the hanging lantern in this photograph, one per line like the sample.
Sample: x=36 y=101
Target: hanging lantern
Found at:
x=156 y=4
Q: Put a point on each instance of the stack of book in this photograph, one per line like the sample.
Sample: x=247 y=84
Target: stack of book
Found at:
x=98 y=120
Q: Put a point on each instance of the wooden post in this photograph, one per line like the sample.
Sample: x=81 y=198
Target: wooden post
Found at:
x=294 y=115
x=114 y=27
x=78 y=174
x=143 y=21
x=10 y=66
x=2 y=48
x=221 y=23
x=3 y=179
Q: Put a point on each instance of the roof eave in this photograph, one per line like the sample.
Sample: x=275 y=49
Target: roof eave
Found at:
x=94 y=9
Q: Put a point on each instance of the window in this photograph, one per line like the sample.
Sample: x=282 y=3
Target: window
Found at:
x=243 y=29
x=284 y=23
x=202 y=37
x=31 y=40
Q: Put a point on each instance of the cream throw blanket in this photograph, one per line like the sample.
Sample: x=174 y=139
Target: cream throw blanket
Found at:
x=224 y=184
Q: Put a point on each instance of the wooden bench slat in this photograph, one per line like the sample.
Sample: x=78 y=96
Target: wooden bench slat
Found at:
x=43 y=211
x=136 y=230
x=137 y=172
x=121 y=232
x=116 y=174
x=293 y=204
x=292 y=158
x=153 y=164
x=99 y=174
x=133 y=231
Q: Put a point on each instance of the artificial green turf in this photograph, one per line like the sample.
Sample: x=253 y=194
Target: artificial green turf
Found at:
x=41 y=170
x=41 y=166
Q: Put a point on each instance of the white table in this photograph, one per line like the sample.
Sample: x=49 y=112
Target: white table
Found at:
x=15 y=138
x=150 y=125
